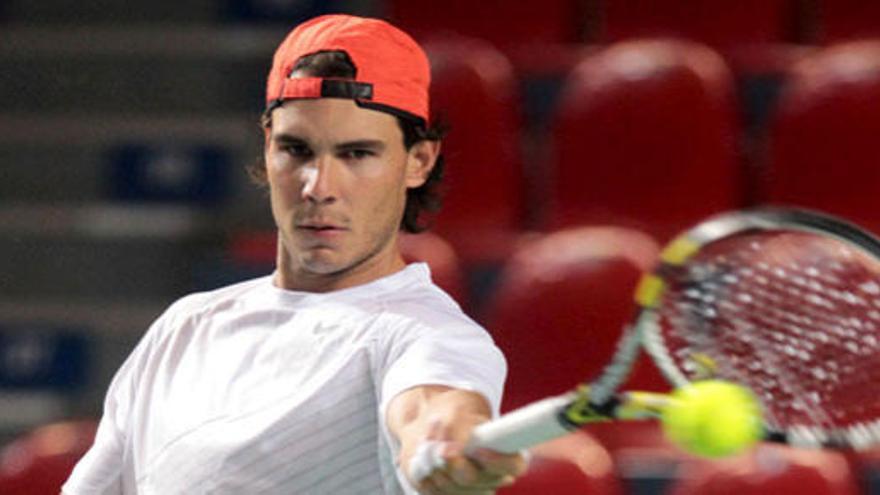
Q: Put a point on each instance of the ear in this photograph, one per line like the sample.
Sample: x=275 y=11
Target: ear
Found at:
x=421 y=159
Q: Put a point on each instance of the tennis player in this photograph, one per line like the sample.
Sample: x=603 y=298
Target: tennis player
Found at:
x=346 y=370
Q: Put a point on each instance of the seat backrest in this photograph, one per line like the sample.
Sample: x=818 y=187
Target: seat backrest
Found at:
x=560 y=306
x=503 y=23
x=846 y=20
x=40 y=461
x=646 y=135
x=720 y=23
x=770 y=469
x=474 y=92
x=823 y=151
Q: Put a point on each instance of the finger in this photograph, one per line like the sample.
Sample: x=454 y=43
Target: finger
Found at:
x=425 y=460
x=466 y=474
x=462 y=471
x=428 y=486
x=499 y=464
x=441 y=483
x=441 y=467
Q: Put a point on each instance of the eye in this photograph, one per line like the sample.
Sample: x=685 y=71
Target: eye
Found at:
x=297 y=150
x=358 y=154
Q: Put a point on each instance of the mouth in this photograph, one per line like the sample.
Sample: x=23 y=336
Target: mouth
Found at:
x=320 y=228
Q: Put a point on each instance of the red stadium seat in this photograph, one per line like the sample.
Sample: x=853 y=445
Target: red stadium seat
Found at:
x=646 y=135
x=560 y=305
x=575 y=464
x=770 y=470
x=720 y=23
x=474 y=91
x=847 y=20
x=39 y=462
x=823 y=150
x=503 y=23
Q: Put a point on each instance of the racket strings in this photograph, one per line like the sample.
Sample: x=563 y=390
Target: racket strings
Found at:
x=749 y=341
x=700 y=292
x=794 y=316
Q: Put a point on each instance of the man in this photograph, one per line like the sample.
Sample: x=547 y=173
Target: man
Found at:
x=334 y=373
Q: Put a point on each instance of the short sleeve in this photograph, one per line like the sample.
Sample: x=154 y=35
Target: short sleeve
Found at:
x=460 y=356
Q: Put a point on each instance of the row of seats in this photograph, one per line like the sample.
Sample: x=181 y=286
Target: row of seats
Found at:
x=649 y=134
x=720 y=23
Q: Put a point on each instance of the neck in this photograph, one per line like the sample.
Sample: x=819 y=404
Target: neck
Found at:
x=292 y=274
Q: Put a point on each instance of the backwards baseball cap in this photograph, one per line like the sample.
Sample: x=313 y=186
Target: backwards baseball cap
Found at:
x=392 y=70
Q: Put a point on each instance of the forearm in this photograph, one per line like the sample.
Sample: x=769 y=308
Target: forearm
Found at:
x=413 y=414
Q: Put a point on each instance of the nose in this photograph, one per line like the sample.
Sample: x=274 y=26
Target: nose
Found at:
x=321 y=181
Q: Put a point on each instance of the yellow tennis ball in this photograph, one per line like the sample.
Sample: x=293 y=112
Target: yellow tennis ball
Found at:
x=713 y=418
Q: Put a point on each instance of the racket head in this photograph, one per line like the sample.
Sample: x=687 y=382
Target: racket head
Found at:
x=785 y=302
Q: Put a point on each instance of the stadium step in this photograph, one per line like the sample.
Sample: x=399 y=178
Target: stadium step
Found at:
x=110 y=11
x=133 y=70
x=95 y=252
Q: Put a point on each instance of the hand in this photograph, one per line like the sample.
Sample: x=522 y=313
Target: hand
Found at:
x=440 y=466
x=433 y=424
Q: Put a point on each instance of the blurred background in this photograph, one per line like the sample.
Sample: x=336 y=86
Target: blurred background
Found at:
x=584 y=133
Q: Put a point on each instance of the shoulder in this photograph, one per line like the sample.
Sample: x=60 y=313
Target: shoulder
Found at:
x=195 y=306
x=421 y=316
x=428 y=339
x=422 y=303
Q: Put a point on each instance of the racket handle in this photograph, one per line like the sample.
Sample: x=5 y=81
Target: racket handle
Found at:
x=530 y=425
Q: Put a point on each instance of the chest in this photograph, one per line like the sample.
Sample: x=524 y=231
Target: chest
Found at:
x=234 y=362
x=297 y=442
x=242 y=384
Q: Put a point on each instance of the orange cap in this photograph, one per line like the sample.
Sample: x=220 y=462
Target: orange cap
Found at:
x=393 y=74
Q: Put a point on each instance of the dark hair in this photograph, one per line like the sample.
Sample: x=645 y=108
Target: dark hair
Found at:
x=425 y=198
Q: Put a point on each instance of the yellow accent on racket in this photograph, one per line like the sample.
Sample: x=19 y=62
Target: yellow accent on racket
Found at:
x=679 y=250
x=581 y=412
x=649 y=290
x=641 y=405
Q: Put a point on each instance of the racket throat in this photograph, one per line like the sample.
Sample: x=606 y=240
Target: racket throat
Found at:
x=582 y=410
x=627 y=405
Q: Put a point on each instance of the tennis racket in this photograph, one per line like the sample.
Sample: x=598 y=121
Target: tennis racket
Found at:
x=784 y=302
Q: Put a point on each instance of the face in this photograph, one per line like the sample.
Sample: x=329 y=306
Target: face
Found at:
x=338 y=176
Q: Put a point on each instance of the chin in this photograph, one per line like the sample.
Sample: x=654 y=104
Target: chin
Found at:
x=324 y=266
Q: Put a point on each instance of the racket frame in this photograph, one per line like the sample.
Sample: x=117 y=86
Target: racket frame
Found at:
x=678 y=252
x=600 y=400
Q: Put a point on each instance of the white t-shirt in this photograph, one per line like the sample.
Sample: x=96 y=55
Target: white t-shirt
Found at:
x=254 y=389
